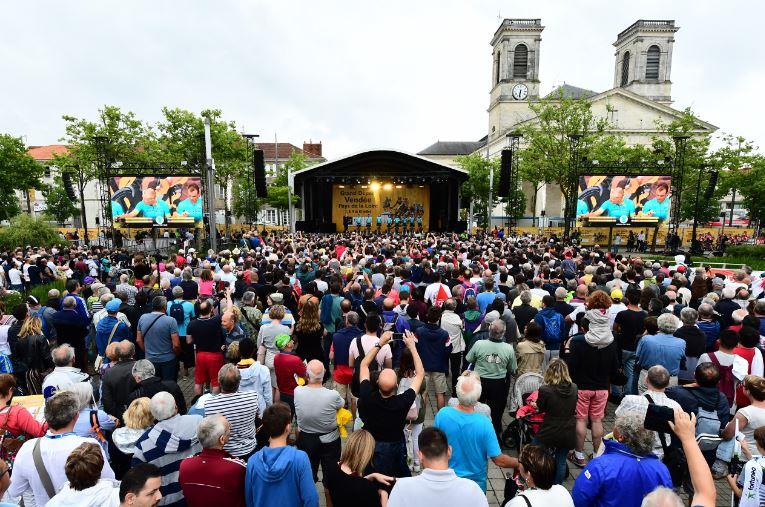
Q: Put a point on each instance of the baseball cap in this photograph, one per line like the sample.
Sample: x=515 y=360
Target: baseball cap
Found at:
x=113 y=305
x=616 y=294
x=277 y=298
x=282 y=340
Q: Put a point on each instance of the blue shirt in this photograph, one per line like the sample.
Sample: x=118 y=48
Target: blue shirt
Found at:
x=484 y=299
x=117 y=209
x=194 y=210
x=153 y=211
x=473 y=442
x=660 y=209
x=188 y=314
x=104 y=329
x=581 y=207
x=663 y=349
x=627 y=207
x=158 y=342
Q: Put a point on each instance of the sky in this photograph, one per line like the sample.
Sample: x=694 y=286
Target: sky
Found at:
x=354 y=75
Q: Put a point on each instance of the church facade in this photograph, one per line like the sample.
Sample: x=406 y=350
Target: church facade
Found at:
x=640 y=98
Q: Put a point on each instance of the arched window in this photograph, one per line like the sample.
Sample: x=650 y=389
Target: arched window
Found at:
x=497 y=60
x=521 y=61
x=652 y=63
x=625 y=69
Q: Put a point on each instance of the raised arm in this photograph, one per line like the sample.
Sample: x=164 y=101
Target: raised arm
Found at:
x=371 y=355
x=684 y=427
x=410 y=340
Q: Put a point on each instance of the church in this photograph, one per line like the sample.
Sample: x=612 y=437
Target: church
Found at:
x=641 y=97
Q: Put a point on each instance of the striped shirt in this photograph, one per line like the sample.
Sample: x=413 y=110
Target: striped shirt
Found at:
x=240 y=410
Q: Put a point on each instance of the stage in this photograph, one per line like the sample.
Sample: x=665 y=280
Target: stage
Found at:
x=381 y=190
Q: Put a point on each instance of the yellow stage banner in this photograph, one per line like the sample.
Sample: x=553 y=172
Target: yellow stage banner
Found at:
x=382 y=203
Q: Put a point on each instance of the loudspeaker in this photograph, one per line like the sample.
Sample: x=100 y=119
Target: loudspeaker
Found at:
x=259 y=168
x=460 y=226
x=712 y=184
x=67 y=179
x=301 y=225
x=504 y=173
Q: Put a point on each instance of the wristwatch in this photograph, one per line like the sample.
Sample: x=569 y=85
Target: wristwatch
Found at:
x=377 y=344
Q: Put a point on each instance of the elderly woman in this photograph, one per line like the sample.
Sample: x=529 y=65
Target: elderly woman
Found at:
x=662 y=348
x=695 y=343
x=91 y=422
x=626 y=472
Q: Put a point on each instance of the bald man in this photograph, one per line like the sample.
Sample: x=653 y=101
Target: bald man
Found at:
x=384 y=411
x=316 y=410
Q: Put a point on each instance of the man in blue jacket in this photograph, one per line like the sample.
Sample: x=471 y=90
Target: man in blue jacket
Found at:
x=111 y=329
x=279 y=474
x=626 y=472
x=434 y=347
x=553 y=327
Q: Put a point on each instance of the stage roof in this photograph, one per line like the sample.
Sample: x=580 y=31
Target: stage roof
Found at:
x=382 y=164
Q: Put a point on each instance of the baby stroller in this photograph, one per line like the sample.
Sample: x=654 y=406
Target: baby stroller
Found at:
x=522 y=429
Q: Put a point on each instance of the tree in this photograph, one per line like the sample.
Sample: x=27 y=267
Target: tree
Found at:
x=751 y=183
x=278 y=190
x=546 y=156
x=18 y=171
x=515 y=206
x=115 y=136
x=245 y=204
x=58 y=205
x=25 y=230
x=476 y=188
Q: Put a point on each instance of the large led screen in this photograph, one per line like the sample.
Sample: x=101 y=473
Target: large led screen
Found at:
x=150 y=201
x=624 y=200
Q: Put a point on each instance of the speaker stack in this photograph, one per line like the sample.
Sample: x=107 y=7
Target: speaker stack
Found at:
x=259 y=167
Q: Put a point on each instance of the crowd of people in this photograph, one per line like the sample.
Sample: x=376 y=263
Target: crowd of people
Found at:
x=319 y=357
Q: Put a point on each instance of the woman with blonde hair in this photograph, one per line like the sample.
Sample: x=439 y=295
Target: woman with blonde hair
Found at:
x=31 y=354
x=138 y=418
x=346 y=485
x=557 y=400
x=309 y=332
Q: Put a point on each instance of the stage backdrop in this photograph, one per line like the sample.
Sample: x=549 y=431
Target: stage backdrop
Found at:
x=386 y=201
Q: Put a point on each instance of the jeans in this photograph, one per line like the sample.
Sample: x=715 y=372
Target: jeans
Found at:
x=494 y=394
x=628 y=364
x=560 y=460
x=456 y=364
x=167 y=370
x=318 y=452
x=390 y=459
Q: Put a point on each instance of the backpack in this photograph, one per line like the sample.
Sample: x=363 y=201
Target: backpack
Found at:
x=707 y=423
x=552 y=330
x=373 y=366
x=5 y=364
x=469 y=292
x=176 y=312
x=727 y=384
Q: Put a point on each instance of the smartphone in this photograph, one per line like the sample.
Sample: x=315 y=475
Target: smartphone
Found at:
x=388 y=326
x=398 y=336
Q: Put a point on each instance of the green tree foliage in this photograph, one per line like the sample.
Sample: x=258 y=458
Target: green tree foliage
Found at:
x=18 y=171
x=245 y=204
x=515 y=207
x=25 y=230
x=58 y=205
x=476 y=188
x=750 y=182
x=277 y=189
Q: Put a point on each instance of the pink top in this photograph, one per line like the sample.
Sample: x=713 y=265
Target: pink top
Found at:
x=20 y=422
x=206 y=287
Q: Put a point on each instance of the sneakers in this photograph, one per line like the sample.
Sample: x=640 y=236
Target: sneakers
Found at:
x=579 y=462
x=719 y=469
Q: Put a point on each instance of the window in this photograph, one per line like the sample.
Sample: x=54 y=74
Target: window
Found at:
x=496 y=67
x=270 y=216
x=652 y=63
x=521 y=61
x=625 y=69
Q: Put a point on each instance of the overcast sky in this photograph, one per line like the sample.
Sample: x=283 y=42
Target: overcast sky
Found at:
x=354 y=75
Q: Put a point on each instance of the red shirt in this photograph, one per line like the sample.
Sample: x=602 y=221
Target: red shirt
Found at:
x=213 y=477
x=286 y=366
x=180 y=261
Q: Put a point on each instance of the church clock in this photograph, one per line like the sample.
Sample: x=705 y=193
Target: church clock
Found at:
x=520 y=91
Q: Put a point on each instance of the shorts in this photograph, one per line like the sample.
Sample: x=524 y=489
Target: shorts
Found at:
x=269 y=360
x=438 y=380
x=208 y=366
x=344 y=390
x=591 y=404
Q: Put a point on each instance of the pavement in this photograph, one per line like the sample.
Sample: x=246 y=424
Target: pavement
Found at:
x=496 y=476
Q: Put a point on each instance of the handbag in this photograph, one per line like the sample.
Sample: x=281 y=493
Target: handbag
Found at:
x=99 y=362
x=674 y=457
x=9 y=445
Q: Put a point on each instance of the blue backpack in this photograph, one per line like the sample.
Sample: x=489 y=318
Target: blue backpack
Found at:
x=5 y=364
x=552 y=327
x=176 y=312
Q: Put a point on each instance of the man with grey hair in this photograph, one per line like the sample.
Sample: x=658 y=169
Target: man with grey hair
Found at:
x=470 y=434
x=453 y=324
x=493 y=360
x=657 y=381
x=213 y=476
x=626 y=470
x=47 y=312
x=662 y=348
x=147 y=384
x=61 y=412
x=695 y=343
x=251 y=315
x=172 y=439
x=524 y=312
x=538 y=290
x=240 y=408
x=64 y=374
x=72 y=328
x=157 y=334
x=316 y=410
x=126 y=287
x=726 y=306
x=118 y=381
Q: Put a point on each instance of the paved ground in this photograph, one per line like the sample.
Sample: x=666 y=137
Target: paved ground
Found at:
x=496 y=482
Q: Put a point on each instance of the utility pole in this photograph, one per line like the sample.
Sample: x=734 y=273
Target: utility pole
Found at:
x=491 y=184
x=211 y=186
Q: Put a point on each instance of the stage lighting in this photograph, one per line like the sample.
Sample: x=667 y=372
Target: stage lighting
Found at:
x=387 y=186
x=399 y=186
x=341 y=186
x=375 y=186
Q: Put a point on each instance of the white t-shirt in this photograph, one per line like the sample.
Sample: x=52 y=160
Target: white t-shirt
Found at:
x=755 y=417
x=758 y=367
x=14 y=276
x=367 y=342
x=431 y=292
x=612 y=311
x=740 y=365
x=557 y=496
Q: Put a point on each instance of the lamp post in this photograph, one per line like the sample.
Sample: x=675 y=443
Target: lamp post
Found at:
x=571 y=184
x=250 y=139
x=210 y=185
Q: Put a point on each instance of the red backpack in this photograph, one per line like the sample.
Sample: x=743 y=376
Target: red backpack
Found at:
x=727 y=384
x=441 y=296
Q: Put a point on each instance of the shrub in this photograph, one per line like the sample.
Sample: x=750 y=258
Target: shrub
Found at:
x=756 y=251
x=25 y=230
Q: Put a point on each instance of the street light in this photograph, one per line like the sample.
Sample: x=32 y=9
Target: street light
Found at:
x=570 y=209
x=250 y=138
